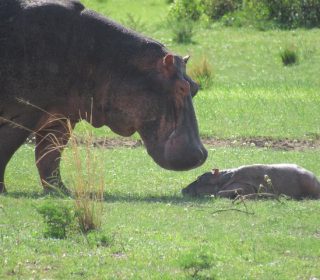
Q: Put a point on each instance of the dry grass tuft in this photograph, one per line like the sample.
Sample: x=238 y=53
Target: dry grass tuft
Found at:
x=87 y=183
x=202 y=73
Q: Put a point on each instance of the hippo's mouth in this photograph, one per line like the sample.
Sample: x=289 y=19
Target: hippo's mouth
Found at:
x=179 y=148
x=177 y=153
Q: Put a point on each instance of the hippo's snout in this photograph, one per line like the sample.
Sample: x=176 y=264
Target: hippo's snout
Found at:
x=190 y=190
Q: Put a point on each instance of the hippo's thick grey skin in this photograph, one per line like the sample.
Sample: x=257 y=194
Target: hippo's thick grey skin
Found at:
x=288 y=179
x=72 y=63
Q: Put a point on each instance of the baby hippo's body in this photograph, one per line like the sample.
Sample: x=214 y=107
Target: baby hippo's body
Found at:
x=288 y=179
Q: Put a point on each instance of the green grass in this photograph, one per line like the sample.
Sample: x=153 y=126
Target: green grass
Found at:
x=151 y=12
x=133 y=172
x=253 y=111
x=250 y=111
x=153 y=227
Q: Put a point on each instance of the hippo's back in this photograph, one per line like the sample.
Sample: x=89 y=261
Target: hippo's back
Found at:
x=26 y=13
x=289 y=179
x=12 y=8
x=266 y=169
x=36 y=38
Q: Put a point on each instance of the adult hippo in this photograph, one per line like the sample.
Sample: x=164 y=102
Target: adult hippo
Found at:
x=288 y=179
x=70 y=63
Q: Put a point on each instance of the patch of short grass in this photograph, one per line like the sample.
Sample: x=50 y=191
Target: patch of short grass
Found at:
x=249 y=111
x=153 y=228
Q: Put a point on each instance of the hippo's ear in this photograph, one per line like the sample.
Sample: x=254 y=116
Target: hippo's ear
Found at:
x=168 y=60
x=186 y=58
x=215 y=172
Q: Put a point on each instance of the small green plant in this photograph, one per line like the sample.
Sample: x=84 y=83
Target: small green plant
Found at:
x=289 y=56
x=135 y=23
x=99 y=239
x=182 y=31
x=202 y=73
x=57 y=218
x=197 y=265
x=185 y=10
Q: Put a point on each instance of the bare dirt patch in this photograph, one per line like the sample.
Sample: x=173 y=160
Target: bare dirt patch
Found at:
x=261 y=142
x=276 y=144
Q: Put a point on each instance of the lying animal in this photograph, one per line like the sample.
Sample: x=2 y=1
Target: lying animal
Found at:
x=287 y=179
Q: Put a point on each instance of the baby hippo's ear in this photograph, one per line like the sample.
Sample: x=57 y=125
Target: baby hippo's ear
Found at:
x=215 y=172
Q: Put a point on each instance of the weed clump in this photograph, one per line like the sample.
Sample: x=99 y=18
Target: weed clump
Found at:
x=182 y=31
x=87 y=183
x=57 y=218
x=289 y=56
x=99 y=239
x=202 y=73
x=197 y=265
x=87 y=188
x=135 y=23
x=182 y=10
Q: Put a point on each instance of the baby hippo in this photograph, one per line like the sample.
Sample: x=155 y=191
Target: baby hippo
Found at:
x=288 y=179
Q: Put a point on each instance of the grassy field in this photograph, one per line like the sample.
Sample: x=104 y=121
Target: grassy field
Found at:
x=154 y=232
x=149 y=231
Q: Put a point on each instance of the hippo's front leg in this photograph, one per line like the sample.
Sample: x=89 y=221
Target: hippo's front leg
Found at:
x=50 y=142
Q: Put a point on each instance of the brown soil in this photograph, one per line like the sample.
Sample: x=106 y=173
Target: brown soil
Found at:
x=276 y=144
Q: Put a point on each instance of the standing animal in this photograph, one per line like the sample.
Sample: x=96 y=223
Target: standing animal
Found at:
x=289 y=179
x=66 y=62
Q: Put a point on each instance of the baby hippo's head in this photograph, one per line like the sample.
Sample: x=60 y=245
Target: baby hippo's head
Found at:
x=207 y=184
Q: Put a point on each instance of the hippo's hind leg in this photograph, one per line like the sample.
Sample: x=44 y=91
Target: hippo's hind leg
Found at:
x=50 y=142
x=14 y=131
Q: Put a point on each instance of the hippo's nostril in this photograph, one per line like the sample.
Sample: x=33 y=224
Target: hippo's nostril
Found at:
x=202 y=155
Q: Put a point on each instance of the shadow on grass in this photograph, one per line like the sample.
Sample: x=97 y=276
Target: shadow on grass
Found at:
x=31 y=195
x=114 y=198
x=173 y=199
x=24 y=194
